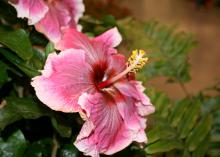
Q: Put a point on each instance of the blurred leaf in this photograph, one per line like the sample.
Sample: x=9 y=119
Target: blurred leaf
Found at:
x=38 y=60
x=166 y=48
x=184 y=124
x=109 y=20
x=49 y=49
x=8 y=13
x=68 y=150
x=18 y=108
x=37 y=38
x=3 y=73
x=134 y=38
x=178 y=111
x=163 y=146
x=14 y=146
x=41 y=148
x=189 y=119
x=7 y=116
x=211 y=104
x=161 y=131
x=199 y=133
x=202 y=149
x=63 y=129
x=17 y=41
x=26 y=107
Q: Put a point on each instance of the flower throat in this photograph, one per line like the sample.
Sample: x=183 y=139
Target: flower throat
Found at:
x=135 y=62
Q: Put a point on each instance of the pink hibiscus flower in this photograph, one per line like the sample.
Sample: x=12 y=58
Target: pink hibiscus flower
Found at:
x=88 y=76
x=50 y=16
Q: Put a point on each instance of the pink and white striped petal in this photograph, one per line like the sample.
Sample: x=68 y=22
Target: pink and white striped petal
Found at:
x=64 y=79
x=111 y=37
x=112 y=124
x=33 y=10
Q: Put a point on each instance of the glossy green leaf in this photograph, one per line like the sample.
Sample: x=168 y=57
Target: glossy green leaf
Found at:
x=49 y=48
x=27 y=107
x=7 y=116
x=3 y=73
x=37 y=61
x=41 y=148
x=31 y=72
x=17 y=41
x=69 y=150
x=18 y=108
x=14 y=146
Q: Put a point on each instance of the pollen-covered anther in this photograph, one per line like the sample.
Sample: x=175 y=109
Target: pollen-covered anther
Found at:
x=137 y=60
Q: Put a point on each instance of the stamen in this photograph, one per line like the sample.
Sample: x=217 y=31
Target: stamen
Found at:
x=135 y=62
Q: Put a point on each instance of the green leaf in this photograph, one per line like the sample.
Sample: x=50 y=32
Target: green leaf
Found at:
x=3 y=73
x=14 y=146
x=69 y=150
x=167 y=48
x=109 y=20
x=178 y=111
x=27 y=107
x=63 y=129
x=17 y=41
x=49 y=48
x=41 y=148
x=211 y=104
x=37 y=61
x=31 y=72
x=134 y=38
x=199 y=133
x=7 y=116
x=201 y=150
x=189 y=119
x=18 y=108
x=164 y=145
x=161 y=102
x=161 y=131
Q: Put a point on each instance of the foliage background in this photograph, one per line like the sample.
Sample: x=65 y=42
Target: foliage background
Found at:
x=187 y=127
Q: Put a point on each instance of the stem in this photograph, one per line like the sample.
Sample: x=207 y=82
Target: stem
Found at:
x=55 y=146
x=183 y=87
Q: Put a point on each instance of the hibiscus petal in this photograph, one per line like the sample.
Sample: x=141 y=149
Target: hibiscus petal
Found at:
x=33 y=10
x=50 y=26
x=111 y=37
x=96 y=52
x=73 y=39
x=117 y=63
x=63 y=80
x=135 y=90
x=111 y=131
x=78 y=8
x=132 y=119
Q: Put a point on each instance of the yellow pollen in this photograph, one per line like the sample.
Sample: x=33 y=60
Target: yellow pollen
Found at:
x=137 y=60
